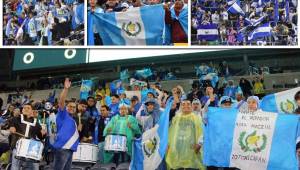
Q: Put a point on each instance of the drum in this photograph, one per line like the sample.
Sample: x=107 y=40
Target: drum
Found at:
x=86 y=153
x=29 y=148
x=116 y=143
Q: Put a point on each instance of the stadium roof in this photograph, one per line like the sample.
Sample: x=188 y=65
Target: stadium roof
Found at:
x=41 y=59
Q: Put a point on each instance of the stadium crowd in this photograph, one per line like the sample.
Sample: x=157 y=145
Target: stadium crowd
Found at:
x=238 y=22
x=43 y=22
x=107 y=110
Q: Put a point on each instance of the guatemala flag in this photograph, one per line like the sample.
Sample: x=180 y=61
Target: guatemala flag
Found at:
x=149 y=151
x=261 y=31
x=260 y=140
x=86 y=87
x=236 y=9
x=136 y=26
x=282 y=102
x=208 y=32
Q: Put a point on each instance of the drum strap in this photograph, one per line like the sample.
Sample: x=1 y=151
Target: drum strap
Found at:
x=28 y=124
x=73 y=138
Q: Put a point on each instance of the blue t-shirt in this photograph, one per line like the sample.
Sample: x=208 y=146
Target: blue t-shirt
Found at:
x=114 y=109
x=67 y=134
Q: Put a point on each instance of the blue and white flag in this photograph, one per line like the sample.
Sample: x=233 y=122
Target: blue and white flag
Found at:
x=149 y=151
x=240 y=37
x=254 y=22
x=136 y=26
x=295 y=3
x=236 y=9
x=90 y=31
x=124 y=75
x=282 y=102
x=8 y=28
x=78 y=17
x=261 y=31
x=276 y=11
x=208 y=32
x=145 y=73
x=19 y=9
x=182 y=18
x=86 y=87
x=116 y=86
x=287 y=10
x=260 y=140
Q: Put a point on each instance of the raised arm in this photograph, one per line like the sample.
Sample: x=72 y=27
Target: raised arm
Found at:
x=63 y=94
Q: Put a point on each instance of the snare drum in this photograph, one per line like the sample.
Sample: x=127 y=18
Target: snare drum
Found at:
x=116 y=143
x=30 y=149
x=86 y=153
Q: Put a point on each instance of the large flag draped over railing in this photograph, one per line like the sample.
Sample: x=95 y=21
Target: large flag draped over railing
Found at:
x=137 y=26
x=149 y=151
x=260 y=140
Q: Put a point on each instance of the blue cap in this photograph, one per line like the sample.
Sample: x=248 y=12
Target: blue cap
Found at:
x=225 y=99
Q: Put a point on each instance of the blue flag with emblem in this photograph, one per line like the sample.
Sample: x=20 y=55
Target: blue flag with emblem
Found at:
x=282 y=102
x=260 y=140
x=136 y=26
x=149 y=151
x=86 y=87
x=208 y=32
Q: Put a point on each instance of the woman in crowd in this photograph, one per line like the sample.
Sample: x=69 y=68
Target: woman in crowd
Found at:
x=125 y=125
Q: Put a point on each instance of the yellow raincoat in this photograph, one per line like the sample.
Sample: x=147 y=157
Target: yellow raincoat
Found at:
x=184 y=132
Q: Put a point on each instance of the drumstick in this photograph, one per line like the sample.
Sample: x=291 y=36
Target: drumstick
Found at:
x=20 y=134
x=79 y=117
x=44 y=117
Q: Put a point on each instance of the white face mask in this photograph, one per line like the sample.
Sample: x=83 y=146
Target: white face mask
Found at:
x=48 y=105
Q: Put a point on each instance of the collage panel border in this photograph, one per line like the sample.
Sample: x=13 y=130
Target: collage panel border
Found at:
x=189 y=46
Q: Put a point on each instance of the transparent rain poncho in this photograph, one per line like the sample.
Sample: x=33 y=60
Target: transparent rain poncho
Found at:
x=184 y=132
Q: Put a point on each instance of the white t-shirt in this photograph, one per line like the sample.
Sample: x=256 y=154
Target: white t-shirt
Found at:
x=215 y=18
x=224 y=15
